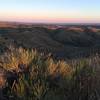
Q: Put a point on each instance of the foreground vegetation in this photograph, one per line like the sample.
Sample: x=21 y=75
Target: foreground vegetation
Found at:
x=29 y=75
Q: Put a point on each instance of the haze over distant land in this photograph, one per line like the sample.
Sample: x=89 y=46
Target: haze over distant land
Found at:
x=50 y=11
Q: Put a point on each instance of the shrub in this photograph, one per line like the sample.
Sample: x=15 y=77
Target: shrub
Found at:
x=39 y=77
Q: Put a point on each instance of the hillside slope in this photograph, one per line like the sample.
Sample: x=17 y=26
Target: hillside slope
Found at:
x=62 y=42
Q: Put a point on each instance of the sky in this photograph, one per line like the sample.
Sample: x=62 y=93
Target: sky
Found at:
x=50 y=11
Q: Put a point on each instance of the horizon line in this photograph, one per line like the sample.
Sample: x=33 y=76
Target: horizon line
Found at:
x=26 y=22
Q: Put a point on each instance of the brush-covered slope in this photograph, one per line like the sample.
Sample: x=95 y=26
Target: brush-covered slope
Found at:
x=62 y=42
x=26 y=74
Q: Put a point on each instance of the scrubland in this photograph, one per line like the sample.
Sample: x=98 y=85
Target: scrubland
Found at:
x=29 y=75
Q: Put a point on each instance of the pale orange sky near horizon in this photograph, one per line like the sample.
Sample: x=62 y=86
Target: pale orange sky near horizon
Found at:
x=50 y=11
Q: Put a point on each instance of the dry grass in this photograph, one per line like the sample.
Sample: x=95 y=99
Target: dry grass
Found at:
x=41 y=78
x=12 y=59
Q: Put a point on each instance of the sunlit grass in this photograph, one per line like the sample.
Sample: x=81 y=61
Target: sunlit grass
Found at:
x=40 y=77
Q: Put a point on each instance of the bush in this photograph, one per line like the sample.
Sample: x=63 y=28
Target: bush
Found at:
x=39 y=77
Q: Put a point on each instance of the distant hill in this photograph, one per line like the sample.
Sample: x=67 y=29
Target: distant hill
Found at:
x=64 y=42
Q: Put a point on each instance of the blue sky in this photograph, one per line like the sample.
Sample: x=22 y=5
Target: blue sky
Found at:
x=87 y=11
